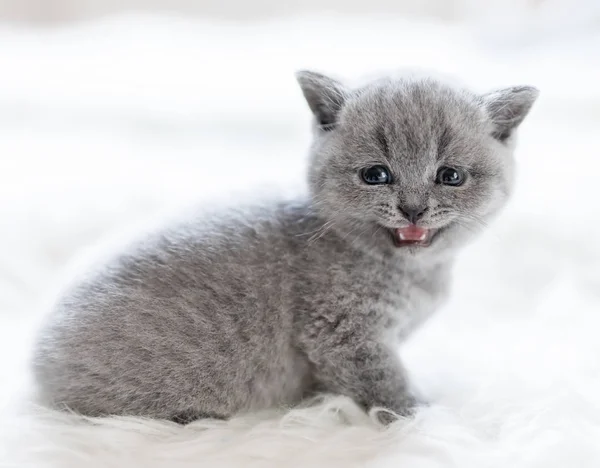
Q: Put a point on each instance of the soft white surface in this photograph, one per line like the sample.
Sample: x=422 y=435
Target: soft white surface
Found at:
x=105 y=125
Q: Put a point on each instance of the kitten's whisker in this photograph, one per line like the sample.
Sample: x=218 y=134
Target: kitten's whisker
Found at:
x=476 y=219
x=470 y=227
x=320 y=233
x=350 y=232
x=362 y=232
x=376 y=231
x=314 y=231
x=473 y=223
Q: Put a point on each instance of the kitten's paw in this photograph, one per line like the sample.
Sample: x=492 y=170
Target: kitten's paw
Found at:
x=405 y=409
x=187 y=417
x=386 y=417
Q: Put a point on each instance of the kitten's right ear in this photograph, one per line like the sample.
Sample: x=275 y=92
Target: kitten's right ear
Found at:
x=325 y=97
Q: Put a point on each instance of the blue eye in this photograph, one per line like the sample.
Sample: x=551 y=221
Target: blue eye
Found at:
x=450 y=176
x=376 y=175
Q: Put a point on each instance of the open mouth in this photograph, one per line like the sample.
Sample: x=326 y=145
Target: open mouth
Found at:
x=412 y=235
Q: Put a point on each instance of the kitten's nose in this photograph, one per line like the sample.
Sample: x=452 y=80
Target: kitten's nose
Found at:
x=411 y=213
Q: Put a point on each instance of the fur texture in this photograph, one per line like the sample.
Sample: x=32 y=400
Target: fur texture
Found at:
x=249 y=309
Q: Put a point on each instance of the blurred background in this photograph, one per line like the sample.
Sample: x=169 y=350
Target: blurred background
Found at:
x=114 y=110
x=45 y=11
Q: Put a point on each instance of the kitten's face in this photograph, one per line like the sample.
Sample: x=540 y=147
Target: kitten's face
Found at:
x=412 y=166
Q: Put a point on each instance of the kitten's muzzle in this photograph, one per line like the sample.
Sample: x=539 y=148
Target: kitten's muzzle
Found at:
x=413 y=213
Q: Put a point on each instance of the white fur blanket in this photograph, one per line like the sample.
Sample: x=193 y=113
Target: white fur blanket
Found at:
x=103 y=125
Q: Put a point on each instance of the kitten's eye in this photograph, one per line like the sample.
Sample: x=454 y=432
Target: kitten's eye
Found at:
x=450 y=176
x=376 y=175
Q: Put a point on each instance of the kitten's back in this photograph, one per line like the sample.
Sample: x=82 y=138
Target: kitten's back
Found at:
x=183 y=314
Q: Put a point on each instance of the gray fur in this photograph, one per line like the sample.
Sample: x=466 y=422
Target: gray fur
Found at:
x=259 y=307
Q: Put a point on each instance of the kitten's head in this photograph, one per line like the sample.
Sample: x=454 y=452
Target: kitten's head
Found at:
x=411 y=165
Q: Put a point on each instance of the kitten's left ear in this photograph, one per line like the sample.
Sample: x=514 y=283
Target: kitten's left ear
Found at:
x=508 y=108
x=325 y=97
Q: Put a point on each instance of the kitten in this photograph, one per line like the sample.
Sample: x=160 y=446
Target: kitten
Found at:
x=260 y=307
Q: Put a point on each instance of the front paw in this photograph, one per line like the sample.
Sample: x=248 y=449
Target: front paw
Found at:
x=402 y=409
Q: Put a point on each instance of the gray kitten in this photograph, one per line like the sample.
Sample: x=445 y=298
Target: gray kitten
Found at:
x=242 y=310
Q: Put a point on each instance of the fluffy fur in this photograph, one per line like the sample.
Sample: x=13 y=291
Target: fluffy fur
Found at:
x=250 y=309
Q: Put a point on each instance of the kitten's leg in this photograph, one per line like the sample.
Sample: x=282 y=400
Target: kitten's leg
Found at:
x=367 y=371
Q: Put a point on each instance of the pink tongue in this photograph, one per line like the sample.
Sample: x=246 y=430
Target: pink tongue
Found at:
x=412 y=233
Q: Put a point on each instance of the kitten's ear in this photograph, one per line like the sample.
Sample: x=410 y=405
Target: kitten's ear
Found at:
x=508 y=107
x=325 y=97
